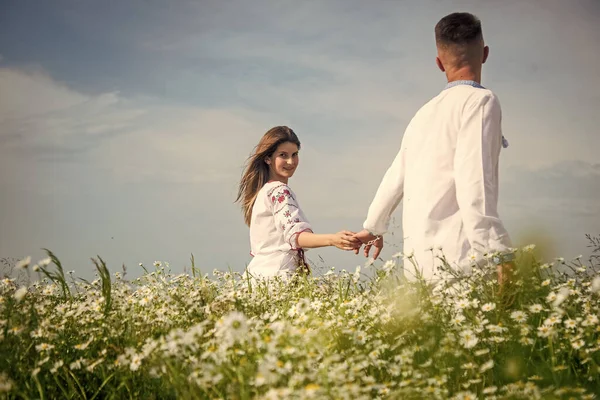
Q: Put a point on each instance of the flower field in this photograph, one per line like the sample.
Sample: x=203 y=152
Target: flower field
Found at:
x=344 y=335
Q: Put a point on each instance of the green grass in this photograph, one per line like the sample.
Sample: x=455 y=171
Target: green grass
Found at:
x=340 y=336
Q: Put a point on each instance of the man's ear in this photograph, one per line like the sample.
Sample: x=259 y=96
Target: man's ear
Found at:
x=439 y=64
x=486 y=53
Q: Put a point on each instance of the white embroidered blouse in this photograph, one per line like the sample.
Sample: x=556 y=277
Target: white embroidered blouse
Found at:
x=276 y=222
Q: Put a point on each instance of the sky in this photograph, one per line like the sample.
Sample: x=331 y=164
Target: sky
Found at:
x=124 y=126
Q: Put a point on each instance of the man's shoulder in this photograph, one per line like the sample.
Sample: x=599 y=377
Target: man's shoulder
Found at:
x=488 y=98
x=478 y=97
x=463 y=93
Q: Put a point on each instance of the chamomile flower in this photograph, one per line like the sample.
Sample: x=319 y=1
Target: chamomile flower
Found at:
x=518 y=316
x=457 y=319
x=595 y=286
x=462 y=304
x=545 y=331
x=468 y=339
x=44 y=347
x=535 y=308
x=24 y=263
x=136 y=362
x=570 y=323
x=20 y=293
x=486 y=366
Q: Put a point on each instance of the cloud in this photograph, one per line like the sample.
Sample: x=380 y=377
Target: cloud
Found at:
x=138 y=161
x=78 y=169
x=573 y=180
x=140 y=127
x=45 y=120
x=42 y=119
x=32 y=93
x=559 y=200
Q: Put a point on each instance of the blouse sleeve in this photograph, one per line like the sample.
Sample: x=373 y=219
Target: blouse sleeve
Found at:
x=476 y=175
x=288 y=215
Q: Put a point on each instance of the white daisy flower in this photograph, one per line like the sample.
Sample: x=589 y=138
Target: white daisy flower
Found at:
x=20 y=293
x=535 y=308
x=570 y=324
x=458 y=319
x=518 y=316
x=486 y=366
x=552 y=320
x=44 y=262
x=468 y=339
x=562 y=295
x=595 y=288
x=24 y=263
x=545 y=331
x=462 y=304
x=465 y=396
x=136 y=361
x=490 y=390
x=44 y=347
x=56 y=366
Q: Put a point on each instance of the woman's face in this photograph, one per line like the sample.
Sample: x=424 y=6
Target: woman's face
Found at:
x=283 y=162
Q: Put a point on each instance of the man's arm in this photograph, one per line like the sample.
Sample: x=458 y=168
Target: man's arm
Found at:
x=476 y=175
x=387 y=198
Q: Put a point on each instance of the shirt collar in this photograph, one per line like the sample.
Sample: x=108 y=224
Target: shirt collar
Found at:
x=463 y=82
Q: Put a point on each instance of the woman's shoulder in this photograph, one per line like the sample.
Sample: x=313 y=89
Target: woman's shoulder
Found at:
x=274 y=185
x=277 y=191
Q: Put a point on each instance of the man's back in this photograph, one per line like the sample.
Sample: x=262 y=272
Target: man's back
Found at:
x=451 y=149
x=447 y=168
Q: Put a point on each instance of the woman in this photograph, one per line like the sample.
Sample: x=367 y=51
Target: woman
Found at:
x=279 y=230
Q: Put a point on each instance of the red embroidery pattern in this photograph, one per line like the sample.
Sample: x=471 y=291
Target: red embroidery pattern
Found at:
x=280 y=196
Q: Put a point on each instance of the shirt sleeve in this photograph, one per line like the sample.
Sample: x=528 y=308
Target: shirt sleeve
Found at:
x=476 y=175
x=288 y=215
x=388 y=196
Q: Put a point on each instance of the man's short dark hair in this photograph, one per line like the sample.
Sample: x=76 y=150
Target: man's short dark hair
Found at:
x=458 y=29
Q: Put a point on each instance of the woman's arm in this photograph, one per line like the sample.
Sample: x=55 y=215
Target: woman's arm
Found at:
x=296 y=229
x=344 y=240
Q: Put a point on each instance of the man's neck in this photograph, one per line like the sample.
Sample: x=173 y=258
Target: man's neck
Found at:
x=466 y=73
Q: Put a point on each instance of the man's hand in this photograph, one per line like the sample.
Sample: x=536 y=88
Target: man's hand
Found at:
x=369 y=241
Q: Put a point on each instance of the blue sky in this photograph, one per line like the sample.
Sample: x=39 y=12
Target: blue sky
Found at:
x=124 y=125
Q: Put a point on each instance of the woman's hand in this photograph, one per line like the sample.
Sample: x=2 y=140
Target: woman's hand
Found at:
x=345 y=240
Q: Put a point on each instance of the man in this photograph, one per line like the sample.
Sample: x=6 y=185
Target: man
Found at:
x=447 y=167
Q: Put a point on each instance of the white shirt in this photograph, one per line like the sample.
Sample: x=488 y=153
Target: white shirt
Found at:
x=276 y=222
x=447 y=173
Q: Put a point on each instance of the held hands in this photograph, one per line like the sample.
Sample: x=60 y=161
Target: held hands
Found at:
x=369 y=241
x=346 y=240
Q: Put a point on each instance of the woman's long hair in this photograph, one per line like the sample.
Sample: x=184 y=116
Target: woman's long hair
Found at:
x=256 y=171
